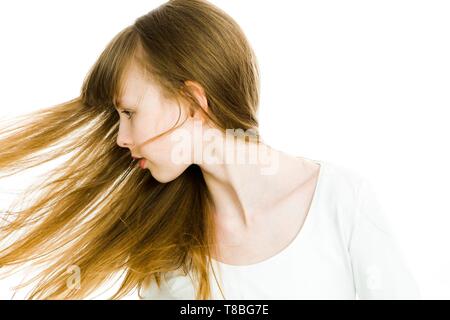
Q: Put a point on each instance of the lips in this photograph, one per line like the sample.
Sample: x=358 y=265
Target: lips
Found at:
x=142 y=163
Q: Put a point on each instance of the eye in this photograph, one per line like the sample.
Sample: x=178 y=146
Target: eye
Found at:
x=127 y=113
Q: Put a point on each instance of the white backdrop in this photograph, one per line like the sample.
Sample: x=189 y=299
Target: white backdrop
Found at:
x=363 y=84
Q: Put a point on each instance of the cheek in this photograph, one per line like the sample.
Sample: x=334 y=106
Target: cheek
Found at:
x=170 y=152
x=160 y=150
x=173 y=148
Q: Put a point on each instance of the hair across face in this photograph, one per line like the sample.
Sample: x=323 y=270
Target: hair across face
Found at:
x=145 y=70
x=99 y=214
x=144 y=113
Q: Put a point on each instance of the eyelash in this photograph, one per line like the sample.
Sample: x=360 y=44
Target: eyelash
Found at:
x=128 y=114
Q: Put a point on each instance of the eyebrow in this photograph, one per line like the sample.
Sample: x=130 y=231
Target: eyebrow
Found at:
x=118 y=107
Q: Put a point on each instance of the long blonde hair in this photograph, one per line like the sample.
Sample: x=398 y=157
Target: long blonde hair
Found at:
x=97 y=210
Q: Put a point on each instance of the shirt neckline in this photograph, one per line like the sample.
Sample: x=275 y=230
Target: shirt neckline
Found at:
x=300 y=234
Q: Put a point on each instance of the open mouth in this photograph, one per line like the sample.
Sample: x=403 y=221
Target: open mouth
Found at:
x=141 y=162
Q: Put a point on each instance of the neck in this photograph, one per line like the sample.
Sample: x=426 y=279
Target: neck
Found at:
x=241 y=190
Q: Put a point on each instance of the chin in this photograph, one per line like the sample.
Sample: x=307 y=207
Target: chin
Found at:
x=164 y=175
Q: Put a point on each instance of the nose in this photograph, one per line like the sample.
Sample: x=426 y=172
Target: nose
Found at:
x=123 y=140
x=123 y=144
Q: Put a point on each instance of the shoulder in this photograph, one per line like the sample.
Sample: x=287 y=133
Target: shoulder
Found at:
x=352 y=188
x=340 y=183
x=342 y=191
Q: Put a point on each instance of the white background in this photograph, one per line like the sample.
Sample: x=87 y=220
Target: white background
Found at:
x=363 y=84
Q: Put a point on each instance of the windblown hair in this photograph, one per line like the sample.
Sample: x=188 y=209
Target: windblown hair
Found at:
x=97 y=210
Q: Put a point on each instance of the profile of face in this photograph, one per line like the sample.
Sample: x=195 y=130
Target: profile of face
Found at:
x=145 y=113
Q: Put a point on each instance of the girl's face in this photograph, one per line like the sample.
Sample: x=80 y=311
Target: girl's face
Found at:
x=145 y=113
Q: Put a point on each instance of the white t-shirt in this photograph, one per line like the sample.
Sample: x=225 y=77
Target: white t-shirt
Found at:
x=344 y=250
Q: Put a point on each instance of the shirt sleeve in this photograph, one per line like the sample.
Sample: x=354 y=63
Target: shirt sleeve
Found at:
x=155 y=292
x=379 y=268
x=174 y=286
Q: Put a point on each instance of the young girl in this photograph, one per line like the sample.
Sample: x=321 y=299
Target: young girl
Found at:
x=169 y=182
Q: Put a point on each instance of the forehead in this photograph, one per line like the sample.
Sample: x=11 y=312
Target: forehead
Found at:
x=135 y=85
